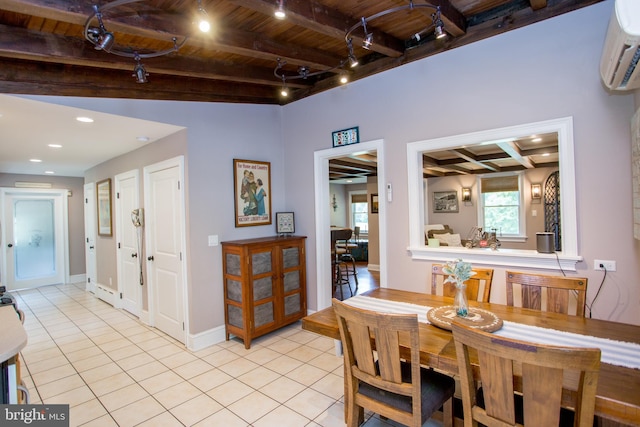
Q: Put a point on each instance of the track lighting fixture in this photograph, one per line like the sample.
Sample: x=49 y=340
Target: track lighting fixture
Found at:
x=139 y=72
x=280 y=13
x=367 y=41
x=303 y=72
x=284 y=92
x=203 y=18
x=102 y=39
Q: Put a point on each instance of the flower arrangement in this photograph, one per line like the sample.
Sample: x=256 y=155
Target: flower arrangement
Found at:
x=458 y=271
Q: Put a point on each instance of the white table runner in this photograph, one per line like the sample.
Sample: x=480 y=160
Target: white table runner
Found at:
x=613 y=352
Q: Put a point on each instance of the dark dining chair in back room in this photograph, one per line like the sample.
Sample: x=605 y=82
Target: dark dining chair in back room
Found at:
x=378 y=378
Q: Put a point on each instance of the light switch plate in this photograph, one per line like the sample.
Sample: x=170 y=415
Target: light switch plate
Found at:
x=213 y=240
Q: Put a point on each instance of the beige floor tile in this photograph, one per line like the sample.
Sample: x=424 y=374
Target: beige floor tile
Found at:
x=263 y=355
x=196 y=409
x=147 y=371
x=178 y=359
x=327 y=362
x=92 y=362
x=165 y=419
x=177 y=394
x=151 y=344
x=306 y=374
x=304 y=353
x=192 y=369
x=259 y=377
x=161 y=381
x=74 y=345
x=230 y=392
x=104 y=371
x=284 y=346
x=225 y=418
x=38 y=356
x=53 y=374
x=85 y=412
x=144 y=335
x=253 y=407
x=103 y=421
x=282 y=389
x=210 y=379
x=310 y=403
x=322 y=343
x=333 y=417
x=112 y=383
x=281 y=417
x=302 y=337
x=45 y=365
x=283 y=364
x=115 y=344
x=238 y=367
x=83 y=353
x=123 y=397
x=165 y=351
x=124 y=352
x=220 y=357
x=109 y=335
x=135 y=361
x=60 y=386
x=330 y=385
x=137 y=412
x=72 y=397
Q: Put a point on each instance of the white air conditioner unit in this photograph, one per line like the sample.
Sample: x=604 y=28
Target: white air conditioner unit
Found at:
x=619 y=67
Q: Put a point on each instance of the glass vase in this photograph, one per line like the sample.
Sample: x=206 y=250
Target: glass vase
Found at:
x=460 y=302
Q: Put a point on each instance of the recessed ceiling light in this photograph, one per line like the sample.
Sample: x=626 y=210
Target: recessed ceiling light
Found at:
x=546 y=155
x=536 y=139
x=55 y=145
x=143 y=138
x=84 y=119
x=49 y=172
x=35 y=160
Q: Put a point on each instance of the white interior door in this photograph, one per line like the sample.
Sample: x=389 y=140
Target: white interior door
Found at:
x=34 y=237
x=165 y=243
x=127 y=236
x=90 y=235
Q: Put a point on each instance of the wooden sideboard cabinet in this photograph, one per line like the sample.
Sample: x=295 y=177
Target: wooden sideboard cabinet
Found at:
x=264 y=285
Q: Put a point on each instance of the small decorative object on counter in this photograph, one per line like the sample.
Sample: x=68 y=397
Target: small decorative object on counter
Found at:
x=459 y=272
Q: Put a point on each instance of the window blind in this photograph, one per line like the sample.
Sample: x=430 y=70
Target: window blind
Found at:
x=358 y=198
x=501 y=183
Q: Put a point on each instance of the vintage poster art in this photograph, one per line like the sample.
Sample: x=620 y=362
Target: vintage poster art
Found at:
x=252 y=192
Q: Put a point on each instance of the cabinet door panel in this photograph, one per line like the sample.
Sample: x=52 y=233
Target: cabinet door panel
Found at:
x=292 y=304
x=234 y=290
x=235 y=316
x=263 y=314
x=291 y=281
x=290 y=257
x=262 y=288
x=233 y=264
x=261 y=263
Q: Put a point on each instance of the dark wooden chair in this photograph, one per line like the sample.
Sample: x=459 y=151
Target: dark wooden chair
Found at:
x=556 y=294
x=381 y=379
x=542 y=372
x=478 y=286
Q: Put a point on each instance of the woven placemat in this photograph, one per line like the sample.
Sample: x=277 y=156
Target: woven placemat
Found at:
x=477 y=318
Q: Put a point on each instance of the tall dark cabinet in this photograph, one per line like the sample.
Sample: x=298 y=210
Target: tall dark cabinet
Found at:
x=264 y=285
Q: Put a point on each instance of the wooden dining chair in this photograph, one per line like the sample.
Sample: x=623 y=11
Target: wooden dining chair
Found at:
x=539 y=371
x=556 y=294
x=381 y=377
x=478 y=286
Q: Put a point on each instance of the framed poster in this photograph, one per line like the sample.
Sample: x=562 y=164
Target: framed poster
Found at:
x=346 y=136
x=252 y=192
x=285 y=223
x=103 y=193
x=445 y=201
x=374 y=203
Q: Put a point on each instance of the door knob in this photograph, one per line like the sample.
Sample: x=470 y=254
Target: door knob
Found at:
x=90 y=247
x=150 y=258
x=134 y=255
x=10 y=245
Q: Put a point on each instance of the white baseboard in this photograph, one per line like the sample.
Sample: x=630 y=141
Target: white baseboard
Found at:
x=205 y=339
x=373 y=267
x=106 y=294
x=78 y=278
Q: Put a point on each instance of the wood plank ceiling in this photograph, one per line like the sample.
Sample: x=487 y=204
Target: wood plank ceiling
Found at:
x=43 y=49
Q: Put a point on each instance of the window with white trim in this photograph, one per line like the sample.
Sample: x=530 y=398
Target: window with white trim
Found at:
x=501 y=207
x=359 y=211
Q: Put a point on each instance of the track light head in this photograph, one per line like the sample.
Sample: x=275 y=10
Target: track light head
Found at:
x=139 y=72
x=203 y=18
x=105 y=41
x=279 y=12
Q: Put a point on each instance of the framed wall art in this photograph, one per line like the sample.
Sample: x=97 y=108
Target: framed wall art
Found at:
x=285 y=223
x=346 y=136
x=374 y=203
x=252 y=192
x=445 y=201
x=103 y=194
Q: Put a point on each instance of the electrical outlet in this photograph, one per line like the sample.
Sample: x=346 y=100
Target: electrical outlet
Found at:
x=608 y=265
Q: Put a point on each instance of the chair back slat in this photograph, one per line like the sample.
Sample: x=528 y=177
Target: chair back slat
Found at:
x=478 y=286
x=556 y=294
x=541 y=372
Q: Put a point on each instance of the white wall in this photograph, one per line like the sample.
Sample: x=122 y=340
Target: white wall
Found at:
x=540 y=72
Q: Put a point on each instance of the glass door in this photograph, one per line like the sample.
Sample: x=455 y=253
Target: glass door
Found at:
x=34 y=238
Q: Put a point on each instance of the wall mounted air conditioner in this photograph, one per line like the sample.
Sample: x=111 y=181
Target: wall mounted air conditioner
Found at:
x=619 y=66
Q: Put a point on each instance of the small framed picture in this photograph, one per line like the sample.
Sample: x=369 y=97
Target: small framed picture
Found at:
x=445 y=201
x=346 y=136
x=285 y=223
x=374 y=203
x=103 y=193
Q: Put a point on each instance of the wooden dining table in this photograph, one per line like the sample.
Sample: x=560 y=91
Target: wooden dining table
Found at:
x=618 y=394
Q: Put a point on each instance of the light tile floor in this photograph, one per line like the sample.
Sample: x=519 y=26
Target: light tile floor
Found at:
x=115 y=371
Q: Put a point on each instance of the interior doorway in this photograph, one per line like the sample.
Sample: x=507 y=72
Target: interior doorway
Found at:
x=34 y=237
x=323 y=218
